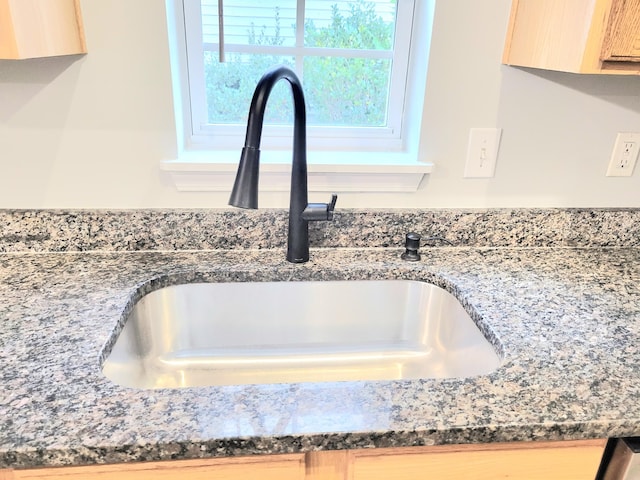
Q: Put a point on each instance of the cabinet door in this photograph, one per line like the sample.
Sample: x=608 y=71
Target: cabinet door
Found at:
x=40 y=28
x=622 y=40
x=530 y=461
x=579 y=36
x=275 y=467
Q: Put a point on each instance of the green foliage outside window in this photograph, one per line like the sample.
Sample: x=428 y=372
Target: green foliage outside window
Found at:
x=338 y=90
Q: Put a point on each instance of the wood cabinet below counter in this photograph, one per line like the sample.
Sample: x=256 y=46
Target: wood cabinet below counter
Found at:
x=528 y=460
x=40 y=28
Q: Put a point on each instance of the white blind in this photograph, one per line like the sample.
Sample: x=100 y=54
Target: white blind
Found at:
x=272 y=18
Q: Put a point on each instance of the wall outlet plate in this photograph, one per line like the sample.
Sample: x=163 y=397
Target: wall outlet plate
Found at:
x=624 y=156
x=482 y=152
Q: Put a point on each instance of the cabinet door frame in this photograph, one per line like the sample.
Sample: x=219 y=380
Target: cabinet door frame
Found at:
x=622 y=38
x=569 y=460
x=266 y=467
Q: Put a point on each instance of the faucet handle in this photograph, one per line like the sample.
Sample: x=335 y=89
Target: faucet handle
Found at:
x=332 y=206
x=320 y=211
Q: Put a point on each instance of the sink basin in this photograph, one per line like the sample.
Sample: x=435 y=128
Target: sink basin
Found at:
x=281 y=332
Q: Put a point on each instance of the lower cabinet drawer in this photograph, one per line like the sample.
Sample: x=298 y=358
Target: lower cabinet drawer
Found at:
x=531 y=461
x=271 y=467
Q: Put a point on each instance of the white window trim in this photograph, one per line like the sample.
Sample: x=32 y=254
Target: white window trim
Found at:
x=342 y=172
x=205 y=169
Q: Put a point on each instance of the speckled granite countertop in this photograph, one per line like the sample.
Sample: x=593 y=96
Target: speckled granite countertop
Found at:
x=567 y=318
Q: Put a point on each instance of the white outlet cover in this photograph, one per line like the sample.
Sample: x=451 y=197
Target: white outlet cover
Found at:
x=624 y=156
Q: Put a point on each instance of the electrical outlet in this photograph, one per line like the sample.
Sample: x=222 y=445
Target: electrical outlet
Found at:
x=625 y=155
x=482 y=152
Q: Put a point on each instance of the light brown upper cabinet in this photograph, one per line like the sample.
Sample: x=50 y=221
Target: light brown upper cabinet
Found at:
x=40 y=28
x=580 y=36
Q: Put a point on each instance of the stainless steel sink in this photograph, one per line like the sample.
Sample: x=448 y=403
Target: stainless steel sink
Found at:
x=280 y=332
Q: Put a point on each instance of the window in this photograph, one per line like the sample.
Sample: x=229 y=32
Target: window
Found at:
x=351 y=55
x=358 y=61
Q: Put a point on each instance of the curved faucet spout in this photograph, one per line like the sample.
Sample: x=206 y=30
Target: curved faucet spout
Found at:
x=259 y=105
x=245 y=188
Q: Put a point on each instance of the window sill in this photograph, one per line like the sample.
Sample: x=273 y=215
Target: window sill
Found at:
x=337 y=172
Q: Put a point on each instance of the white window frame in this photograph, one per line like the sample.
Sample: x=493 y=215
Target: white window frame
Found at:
x=199 y=166
x=387 y=137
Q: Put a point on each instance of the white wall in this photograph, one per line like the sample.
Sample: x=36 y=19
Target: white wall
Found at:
x=558 y=128
x=89 y=132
